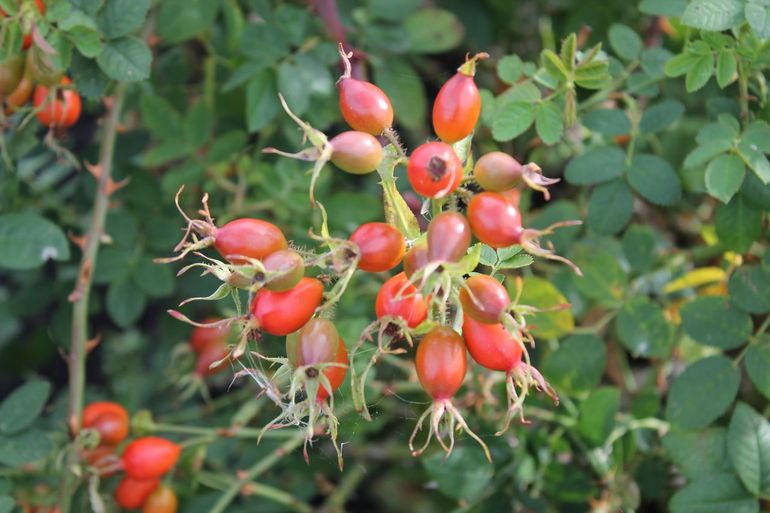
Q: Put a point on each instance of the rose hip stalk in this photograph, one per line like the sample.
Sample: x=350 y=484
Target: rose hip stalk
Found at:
x=441 y=364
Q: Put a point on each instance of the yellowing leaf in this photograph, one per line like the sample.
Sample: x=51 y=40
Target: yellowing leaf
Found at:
x=696 y=278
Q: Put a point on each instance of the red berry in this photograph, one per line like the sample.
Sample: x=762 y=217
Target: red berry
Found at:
x=364 y=106
x=203 y=338
x=357 y=153
x=495 y=220
x=288 y=265
x=102 y=458
x=335 y=375
x=441 y=362
x=252 y=238
x=381 y=246
x=150 y=457
x=109 y=419
x=281 y=313
x=208 y=357
x=315 y=343
x=416 y=258
x=61 y=110
x=133 y=493
x=487 y=300
x=449 y=237
x=457 y=108
x=162 y=500
x=497 y=172
x=411 y=307
x=434 y=170
x=491 y=345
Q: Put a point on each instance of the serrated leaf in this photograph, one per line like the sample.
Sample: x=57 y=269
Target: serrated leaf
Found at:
x=757 y=13
x=643 y=329
x=714 y=15
x=592 y=75
x=516 y=262
x=25 y=447
x=724 y=176
x=568 y=51
x=512 y=120
x=541 y=293
x=639 y=247
x=654 y=179
x=713 y=321
x=23 y=406
x=597 y=415
x=126 y=59
x=714 y=493
x=610 y=207
x=727 y=66
x=607 y=121
x=755 y=159
x=510 y=68
x=738 y=224
x=261 y=100
x=549 y=123
x=27 y=241
x=698 y=453
x=179 y=20
x=699 y=73
x=748 y=444
x=405 y=89
x=121 y=17
x=757 y=361
x=626 y=43
x=125 y=302
x=703 y=392
x=679 y=64
x=554 y=65
x=673 y=8
x=749 y=289
x=598 y=164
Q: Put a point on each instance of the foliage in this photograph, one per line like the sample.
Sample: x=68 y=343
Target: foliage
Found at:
x=656 y=120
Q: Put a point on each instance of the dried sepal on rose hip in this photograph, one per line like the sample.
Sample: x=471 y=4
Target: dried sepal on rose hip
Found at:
x=498 y=172
x=457 y=106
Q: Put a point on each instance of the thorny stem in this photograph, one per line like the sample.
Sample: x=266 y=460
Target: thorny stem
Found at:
x=79 y=297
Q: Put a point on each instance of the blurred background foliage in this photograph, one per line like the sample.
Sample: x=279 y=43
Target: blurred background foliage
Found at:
x=666 y=331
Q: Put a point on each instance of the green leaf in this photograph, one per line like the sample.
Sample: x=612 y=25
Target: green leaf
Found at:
x=549 y=123
x=757 y=361
x=568 y=51
x=714 y=15
x=755 y=159
x=126 y=59
x=703 y=392
x=121 y=17
x=153 y=279
x=603 y=279
x=757 y=13
x=625 y=41
x=654 y=179
x=560 y=210
x=598 y=164
x=643 y=329
x=713 y=321
x=727 y=66
x=125 y=302
x=639 y=247
x=699 y=73
x=610 y=207
x=660 y=116
x=512 y=120
x=607 y=121
x=462 y=475
x=738 y=224
x=593 y=75
x=542 y=294
x=163 y=121
x=20 y=409
x=198 y=124
x=433 y=30
x=679 y=64
x=654 y=61
x=26 y=447
x=293 y=88
x=6 y=504
x=698 y=453
x=27 y=241
x=755 y=192
x=757 y=135
x=577 y=365
x=179 y=20
x=724 y=176
x=673 y=8
x=748 y=444
x=261 y=100
x=749 y=289
x=597 y=415
x=516 y=261
x=714 y=493
x=510 y=68
x=86 y=40
x=405 y=89
x=554 y=65
x=226 y=145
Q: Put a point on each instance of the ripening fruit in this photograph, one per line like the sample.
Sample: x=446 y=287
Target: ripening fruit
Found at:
x=458 y=105
x=335 y=375
x=434 y=170
x=449 y=237
x=133 y=493
x=494 y=220
x=288 y=265
x=102 y=458
x=487 y=300
x=202 y=338
x=11 y=72
x=109 y=419
x=281 y=313
x=441 y=362
x=497 y=172
x=252 y=238
x=209 y=356
x=416 y=258
x=364 y=106
x=513 y=196
x=61 y=110
x=357 y=153
x=381 y=246
x=315 y=343
x=21 y=95
x=491 y=345
x=412 y=307
x=162 y=500
x=150 y=457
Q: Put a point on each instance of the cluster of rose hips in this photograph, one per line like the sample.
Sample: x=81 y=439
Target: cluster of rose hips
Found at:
x=31 y=74
x=144 y=460
x=437 y=298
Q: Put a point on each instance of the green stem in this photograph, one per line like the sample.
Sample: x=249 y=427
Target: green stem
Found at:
x=223 y=432
x=79 y=340
x=743 y=89
x=335 y=503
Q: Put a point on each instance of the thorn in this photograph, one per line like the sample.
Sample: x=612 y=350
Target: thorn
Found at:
x=94 y=169
x=113 y=186
x=78 y=240
x=91 y=344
